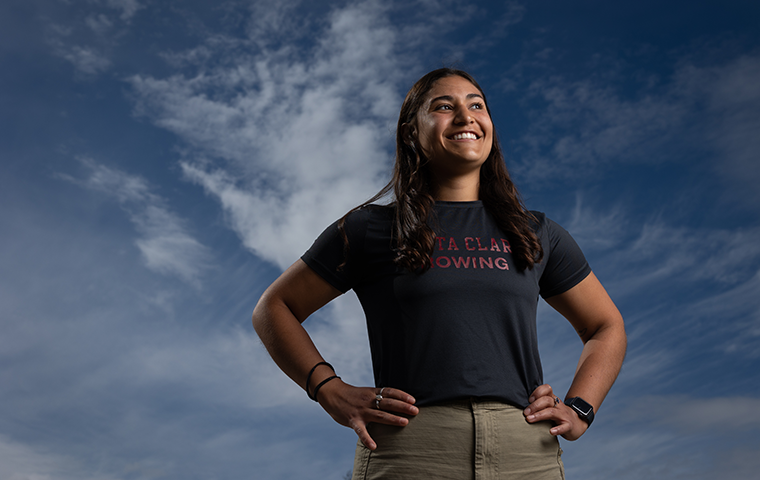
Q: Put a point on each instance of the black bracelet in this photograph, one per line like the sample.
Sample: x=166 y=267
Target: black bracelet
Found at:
x=308 y=378
x=316 y=390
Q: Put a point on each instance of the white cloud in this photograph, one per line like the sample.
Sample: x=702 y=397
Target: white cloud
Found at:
x=290 y=140
x=164 y=242
x=128 y=8
x=166 y=246
x=597 y=229
x=270 y=23
x=87 y=60
x=99 y=23
x=693 y=254
x=90 y=36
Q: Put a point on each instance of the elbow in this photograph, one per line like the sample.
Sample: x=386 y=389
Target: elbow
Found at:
x=270 y=315
x=261 y=314
x=611 y=330
x=619 y=326
x=618 y=335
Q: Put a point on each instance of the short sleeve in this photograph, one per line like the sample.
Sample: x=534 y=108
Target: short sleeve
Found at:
x=329 y=256
x=566 y=266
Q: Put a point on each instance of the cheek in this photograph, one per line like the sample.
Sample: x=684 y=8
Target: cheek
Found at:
x=426 y=135
x=487 y=124
x=424 y=144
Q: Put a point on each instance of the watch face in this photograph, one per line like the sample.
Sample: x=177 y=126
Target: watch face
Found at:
x=581 y=406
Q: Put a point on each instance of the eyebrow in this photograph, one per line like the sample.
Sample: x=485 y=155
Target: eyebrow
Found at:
x=449 y=98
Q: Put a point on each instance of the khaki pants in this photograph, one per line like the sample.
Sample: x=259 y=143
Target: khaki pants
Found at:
x=463 y=440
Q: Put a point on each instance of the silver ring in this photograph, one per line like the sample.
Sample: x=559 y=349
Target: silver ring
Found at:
x=556 y=401
x=378 y=397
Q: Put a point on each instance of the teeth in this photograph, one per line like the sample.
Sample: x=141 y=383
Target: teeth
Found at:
x=462 y=136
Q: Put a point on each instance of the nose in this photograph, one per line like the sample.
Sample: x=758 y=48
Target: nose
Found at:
x=462 y=116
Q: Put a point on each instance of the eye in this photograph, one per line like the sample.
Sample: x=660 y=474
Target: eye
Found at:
x=443 y=106
x=478 y=106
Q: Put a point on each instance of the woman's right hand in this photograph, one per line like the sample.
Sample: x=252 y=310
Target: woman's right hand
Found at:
x=355 y=407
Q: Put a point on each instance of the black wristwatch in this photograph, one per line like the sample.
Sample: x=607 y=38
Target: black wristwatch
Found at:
x=582 y=408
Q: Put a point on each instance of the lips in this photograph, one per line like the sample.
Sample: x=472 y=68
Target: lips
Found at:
x=464 y=136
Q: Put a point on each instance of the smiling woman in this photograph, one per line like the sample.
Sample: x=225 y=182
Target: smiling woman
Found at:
x=455 y=130
x=459 y=387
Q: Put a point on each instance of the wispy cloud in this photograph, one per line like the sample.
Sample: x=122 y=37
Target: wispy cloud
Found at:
x=22 y=462
x=661 y=434
x=584 y=126
x=659 y=249
x=99 y=23
x=287 y=141
x=128 y=8
x=87 y=40
x=283 y=114
x=731 y=93
x=689 y=415
x=87 y=60
x=672 y=280
x=163 y=239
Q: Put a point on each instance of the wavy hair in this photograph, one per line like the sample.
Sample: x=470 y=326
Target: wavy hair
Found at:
x=411 y=184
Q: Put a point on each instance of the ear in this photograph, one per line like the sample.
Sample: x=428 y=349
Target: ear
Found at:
x=409 y=134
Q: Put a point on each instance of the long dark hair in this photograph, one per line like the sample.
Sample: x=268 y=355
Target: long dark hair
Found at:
x=413 y=236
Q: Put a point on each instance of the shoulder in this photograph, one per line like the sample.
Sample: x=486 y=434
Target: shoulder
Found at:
x=370 y=212
x=541 y=224
x=339 y=254
x=360 y=218
x=564 y=263
x=539 y=219
x=546 y=228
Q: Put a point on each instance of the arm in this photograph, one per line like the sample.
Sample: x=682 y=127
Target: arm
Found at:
x=599 y=324
x=277 y=318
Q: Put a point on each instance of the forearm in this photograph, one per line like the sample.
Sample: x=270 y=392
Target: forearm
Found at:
x=599 y=364
x=291 y=348
x=278 y=315
x=599 y=324
x=286 y=340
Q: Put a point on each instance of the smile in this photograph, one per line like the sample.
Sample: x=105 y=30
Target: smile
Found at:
x=465 y=136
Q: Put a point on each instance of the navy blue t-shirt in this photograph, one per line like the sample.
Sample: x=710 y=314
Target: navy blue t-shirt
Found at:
x=467 y=326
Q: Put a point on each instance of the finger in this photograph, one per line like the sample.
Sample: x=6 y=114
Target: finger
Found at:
x=394 y=393
x=363 y=434
x=397 y=406
x=560 y=429
x=542 y=403
x=387 y=418
x=538 y=416
x=554 y=414
x=541 y=391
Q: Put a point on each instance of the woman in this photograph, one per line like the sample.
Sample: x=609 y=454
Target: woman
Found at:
x=448 y=276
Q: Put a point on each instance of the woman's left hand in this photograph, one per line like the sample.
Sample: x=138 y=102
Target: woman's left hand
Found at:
x=544 y=405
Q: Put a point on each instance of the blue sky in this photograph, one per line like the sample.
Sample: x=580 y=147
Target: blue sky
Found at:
x=162 y=162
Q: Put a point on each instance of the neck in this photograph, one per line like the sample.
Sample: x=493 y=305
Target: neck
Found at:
x=458 y=189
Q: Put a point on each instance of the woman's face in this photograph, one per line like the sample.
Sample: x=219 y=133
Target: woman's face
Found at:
x=454 y=129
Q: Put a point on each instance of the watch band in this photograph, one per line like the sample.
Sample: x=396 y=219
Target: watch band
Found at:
x=584 y=410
